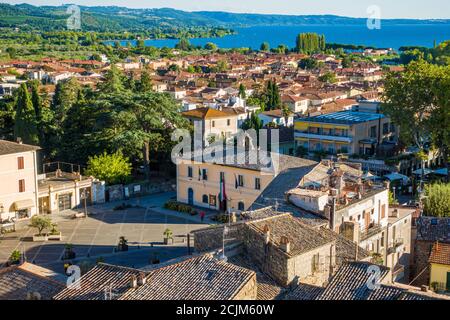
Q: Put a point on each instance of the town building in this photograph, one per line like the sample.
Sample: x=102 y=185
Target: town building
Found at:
x=199 y=182
x=358 y=131
x=25 y=192
x=276 y=118
x=201 y=277
x=214 y=123
x=19 y=184
x=356 y=281
x=429 y=231
x=29 y=282
x=440 y=267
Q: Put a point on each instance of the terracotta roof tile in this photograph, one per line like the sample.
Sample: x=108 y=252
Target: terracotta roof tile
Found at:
x=440 y=253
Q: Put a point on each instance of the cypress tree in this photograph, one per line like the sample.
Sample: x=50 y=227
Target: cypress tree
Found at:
x=25 y=126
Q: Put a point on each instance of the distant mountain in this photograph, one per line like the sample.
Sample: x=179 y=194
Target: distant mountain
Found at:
x=120 y=18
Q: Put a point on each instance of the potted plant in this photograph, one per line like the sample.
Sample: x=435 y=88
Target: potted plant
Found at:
x=168 y=236
x=123 y=244
x=66 y=266
x=15 y=257
x=68 y=252
x=40 y=223
x=54 y=233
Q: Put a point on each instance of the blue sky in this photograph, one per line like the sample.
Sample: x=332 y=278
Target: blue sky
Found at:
x=353 y=8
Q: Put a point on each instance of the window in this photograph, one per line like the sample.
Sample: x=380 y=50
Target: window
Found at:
x=20 y=163
x=257 y=183
x=22 y=185
x=373 y=132
x=190 y=172
x=213 y=124
x=212 y=200
x=228 y=122
x=240 y=180
x=241 y=206
x=205 y=174
x=205 y=199
x=383 y=211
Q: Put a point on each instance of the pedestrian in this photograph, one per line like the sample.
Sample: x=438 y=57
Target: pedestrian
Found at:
x=202 y=215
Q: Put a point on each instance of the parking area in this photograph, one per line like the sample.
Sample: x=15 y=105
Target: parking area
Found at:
x=97 y=236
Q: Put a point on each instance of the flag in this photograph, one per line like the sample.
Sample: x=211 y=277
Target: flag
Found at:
x=236 y=184
x=222 y=193
x=199 y=174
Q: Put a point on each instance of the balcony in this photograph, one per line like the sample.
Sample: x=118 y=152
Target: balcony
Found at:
x=395 y=246
x=373 y=230
x=318 y=136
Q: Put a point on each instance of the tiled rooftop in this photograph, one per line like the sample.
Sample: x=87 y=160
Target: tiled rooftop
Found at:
x=8 y=147
x=303 y=238
x=17 y=282
x=440 y=253
x=194 y=278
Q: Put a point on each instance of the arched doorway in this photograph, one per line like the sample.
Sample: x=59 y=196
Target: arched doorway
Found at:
x=191 y=196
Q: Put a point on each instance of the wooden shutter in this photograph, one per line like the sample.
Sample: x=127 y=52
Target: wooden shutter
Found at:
x=20 y=163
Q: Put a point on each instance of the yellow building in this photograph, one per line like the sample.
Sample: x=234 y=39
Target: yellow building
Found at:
x=199 y=183
x=214 y=123
x=440 y=267
x=347 y=132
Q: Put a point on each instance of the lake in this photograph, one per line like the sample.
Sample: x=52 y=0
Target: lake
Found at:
x=389 y=36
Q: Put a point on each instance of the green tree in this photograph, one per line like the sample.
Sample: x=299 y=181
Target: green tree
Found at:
x=242 y=93
x=139 y=123
x=273 y=99
x=265 y=47
x=25 y=126
x=183 y=44
x=211 y=46
x=310 y=42
x=308 y=64
x=114 y=81
x=112 y=168
x=329 y=77
x=437 y=200
x=145 y=84
x=12 y=52
x=409 y=100
x=40 y=223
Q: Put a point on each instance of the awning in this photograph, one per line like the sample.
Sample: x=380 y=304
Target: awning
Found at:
x=441 y=172
x=425 y=171
x=397 y=176
x=23 y=204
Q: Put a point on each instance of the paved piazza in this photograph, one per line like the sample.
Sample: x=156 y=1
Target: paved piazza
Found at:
x=97 y=237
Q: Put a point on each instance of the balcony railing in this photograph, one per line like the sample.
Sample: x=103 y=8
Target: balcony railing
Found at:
x=394 y=245
x=299 y=134
x=373 y=230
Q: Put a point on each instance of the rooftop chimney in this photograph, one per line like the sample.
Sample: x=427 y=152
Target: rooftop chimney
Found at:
x=19 y=140
x=424 y=288
x=133 y=282
x=266 y=234
x=285 y=244
x=142 y=279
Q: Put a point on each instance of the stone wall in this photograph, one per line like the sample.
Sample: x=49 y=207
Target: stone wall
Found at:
x=206 y=240
x=302 y=266
x=422 y=250
x=248 y=291
x=268 y=257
